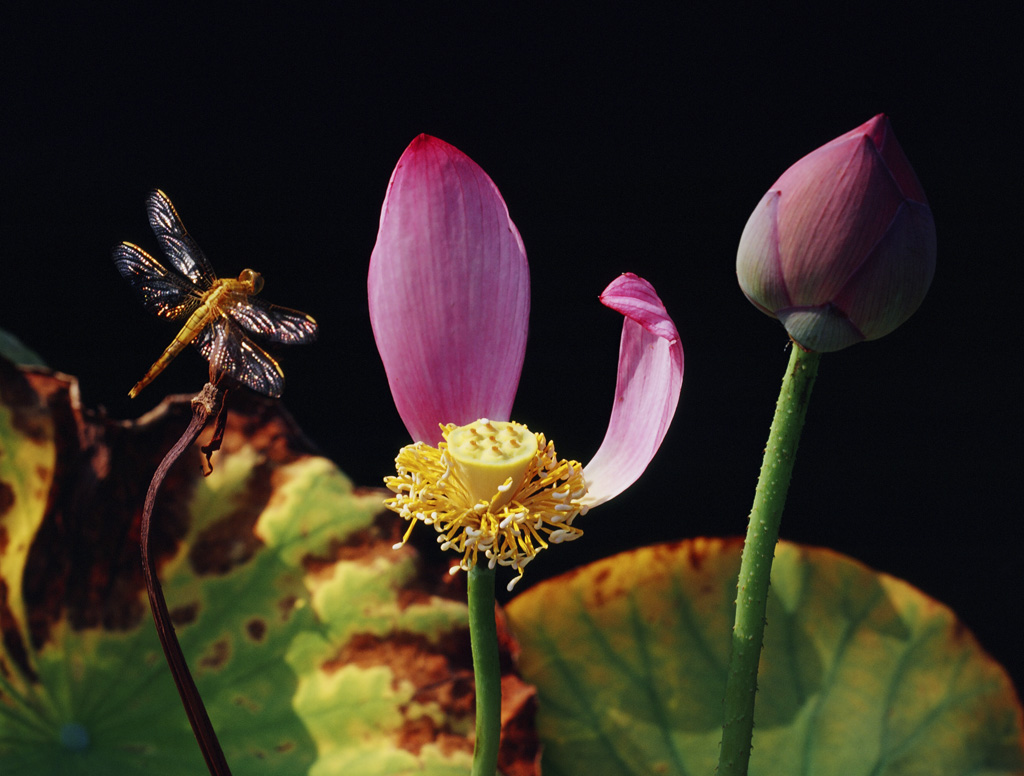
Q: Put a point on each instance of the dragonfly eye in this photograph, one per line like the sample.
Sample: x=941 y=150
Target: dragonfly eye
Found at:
x=252 y=279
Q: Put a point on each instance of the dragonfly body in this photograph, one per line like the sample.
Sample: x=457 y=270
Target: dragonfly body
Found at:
x=222 y=295
x=217 y=311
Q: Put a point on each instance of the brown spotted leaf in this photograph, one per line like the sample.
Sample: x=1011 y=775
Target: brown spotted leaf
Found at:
x=316 y=647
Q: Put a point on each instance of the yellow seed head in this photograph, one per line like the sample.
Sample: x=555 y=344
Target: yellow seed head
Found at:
x=491 y=458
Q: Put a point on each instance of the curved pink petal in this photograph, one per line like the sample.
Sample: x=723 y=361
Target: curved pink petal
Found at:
x=647 y=389
x=449 y=291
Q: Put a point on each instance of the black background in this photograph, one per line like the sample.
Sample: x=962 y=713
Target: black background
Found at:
x=622 y=140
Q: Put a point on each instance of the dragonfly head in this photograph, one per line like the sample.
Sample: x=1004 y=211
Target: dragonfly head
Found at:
x=252 y=279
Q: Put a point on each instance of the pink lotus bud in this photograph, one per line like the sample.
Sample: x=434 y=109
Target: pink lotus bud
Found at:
x=842 y=247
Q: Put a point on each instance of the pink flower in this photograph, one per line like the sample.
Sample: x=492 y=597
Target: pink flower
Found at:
x=449 y=298
x=842 y=248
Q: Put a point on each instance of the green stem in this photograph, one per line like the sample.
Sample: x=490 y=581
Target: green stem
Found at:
x=483 y=636
x=756 y=563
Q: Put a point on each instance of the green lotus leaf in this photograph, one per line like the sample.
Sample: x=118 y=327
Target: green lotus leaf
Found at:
x=860 y=674
x=316 y=647
x=13 y=349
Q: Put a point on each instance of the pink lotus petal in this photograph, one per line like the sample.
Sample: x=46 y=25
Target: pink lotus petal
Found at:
x=758 y=264
x=650 y=377
x=449 y=291
x=836 y=203
x=892 y=282
x=879 y=130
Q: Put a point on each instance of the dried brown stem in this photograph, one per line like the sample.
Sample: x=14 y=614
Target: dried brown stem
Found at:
x=203 y=406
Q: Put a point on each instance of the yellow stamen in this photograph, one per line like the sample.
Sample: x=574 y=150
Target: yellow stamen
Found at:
x=491 y=488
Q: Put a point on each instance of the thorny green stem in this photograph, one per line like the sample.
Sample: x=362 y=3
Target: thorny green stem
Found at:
x=202 y=406
x=756 y=563
x=483 y=636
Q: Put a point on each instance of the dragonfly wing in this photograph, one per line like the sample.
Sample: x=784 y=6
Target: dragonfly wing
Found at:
x=179 y=248
x=163 y=292
x=274 y=324
x=229 y=351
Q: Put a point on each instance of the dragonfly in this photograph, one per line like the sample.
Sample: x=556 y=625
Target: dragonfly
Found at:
x=219 y=314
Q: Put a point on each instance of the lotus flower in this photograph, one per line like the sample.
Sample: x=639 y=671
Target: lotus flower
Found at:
x=842 y=248
x=449 y=298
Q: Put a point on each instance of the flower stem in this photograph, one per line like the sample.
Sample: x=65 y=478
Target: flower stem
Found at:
x=483 y=636
x=756 y=563
x=203 y=406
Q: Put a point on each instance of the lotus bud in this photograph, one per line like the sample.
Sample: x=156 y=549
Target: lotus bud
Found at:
x=842 y=248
